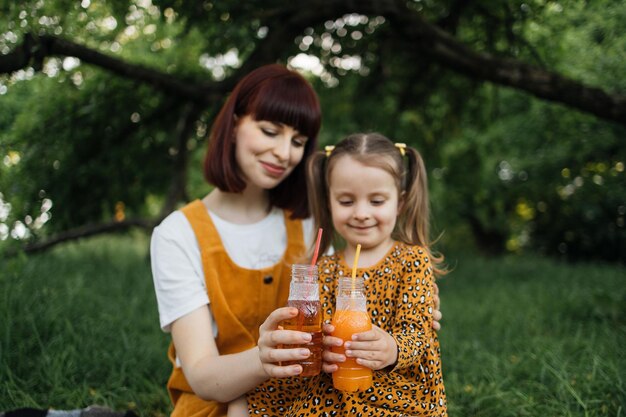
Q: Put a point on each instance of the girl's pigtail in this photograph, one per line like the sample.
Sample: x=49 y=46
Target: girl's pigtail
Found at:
x=317 y=190
x=416 y=218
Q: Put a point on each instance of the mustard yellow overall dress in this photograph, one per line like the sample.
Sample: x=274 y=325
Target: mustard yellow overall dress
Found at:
x=241 y=299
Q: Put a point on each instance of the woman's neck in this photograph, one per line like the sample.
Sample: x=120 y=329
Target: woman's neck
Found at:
x=250 y=206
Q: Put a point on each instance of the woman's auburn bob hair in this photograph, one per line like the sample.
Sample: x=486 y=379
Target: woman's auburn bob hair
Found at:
x=275 y=94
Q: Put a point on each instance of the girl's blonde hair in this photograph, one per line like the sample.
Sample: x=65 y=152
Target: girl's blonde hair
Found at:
x=376 y=150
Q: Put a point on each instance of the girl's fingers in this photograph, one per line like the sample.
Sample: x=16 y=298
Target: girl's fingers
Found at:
x=332 y=357
x=331 y=341
x=363 y=346
x=369 y=335
x=375 y=365
x=328 y=328
x=329 y=368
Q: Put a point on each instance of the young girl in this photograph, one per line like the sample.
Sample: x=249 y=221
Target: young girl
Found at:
x=374 y=193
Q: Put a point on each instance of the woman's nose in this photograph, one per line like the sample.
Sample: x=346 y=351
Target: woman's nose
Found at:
x=282 y=149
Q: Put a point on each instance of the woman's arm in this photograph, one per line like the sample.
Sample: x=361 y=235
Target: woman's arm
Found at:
x=224 y=378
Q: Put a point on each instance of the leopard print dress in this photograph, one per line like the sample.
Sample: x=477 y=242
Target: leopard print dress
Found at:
x=399 y=300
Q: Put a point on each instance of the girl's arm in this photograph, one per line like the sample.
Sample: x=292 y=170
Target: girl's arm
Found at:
x=224 y=378
x=412 y=329
x=406 y=340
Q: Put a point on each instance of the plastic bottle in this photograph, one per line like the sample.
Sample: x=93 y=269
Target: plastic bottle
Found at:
x=351 y=317
x=304 y=294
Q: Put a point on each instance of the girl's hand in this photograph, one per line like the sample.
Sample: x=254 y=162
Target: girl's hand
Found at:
x=330 y=359
x=271 y=336
x=437 y=305
x=375 y=349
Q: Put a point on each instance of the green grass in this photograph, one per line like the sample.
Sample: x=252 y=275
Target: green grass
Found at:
x=533 y=337
x=79 y=326
x=521 y=336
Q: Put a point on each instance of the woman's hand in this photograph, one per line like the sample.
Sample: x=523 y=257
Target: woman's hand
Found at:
x=436 y=310
x=272 y=336
x=375 y=349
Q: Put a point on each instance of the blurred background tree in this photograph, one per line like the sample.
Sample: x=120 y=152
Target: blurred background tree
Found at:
x=518 y=107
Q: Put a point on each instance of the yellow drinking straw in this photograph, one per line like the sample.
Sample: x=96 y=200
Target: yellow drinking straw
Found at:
x=356 y=262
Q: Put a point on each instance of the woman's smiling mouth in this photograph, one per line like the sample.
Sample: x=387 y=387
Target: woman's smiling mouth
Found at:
x=273 y=170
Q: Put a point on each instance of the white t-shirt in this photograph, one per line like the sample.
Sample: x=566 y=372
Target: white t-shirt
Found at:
x=177 y=265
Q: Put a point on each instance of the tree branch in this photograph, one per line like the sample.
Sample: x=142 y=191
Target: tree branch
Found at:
x=285 y=25
x=444 y=48
x=89 y=230
x=34 y=50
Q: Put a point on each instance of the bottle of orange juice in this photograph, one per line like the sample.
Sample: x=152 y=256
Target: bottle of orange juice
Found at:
x=351 y=317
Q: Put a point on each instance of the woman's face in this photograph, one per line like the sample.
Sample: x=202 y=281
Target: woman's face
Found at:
x=267 y=152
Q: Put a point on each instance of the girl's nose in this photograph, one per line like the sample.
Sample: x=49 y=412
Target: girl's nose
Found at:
x=361 y=212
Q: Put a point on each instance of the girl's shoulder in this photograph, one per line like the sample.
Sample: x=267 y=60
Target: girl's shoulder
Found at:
x=328 y=259
x=408 y=252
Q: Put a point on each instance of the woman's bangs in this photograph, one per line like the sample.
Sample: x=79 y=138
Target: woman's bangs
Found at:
x=289 y=103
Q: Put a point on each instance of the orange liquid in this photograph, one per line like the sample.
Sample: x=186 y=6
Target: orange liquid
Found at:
x=309 y=319
x=350 y=376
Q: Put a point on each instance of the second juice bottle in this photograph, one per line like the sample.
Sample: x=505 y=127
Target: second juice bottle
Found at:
x=351 y=317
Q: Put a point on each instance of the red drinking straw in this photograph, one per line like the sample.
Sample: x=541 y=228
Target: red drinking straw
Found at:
x=317 y=247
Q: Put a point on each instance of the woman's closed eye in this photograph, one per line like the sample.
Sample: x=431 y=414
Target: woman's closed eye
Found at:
x=269 y=132
x=299 y=142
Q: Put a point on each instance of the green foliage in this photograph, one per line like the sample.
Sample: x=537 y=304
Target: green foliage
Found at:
x=84 y=146
x=510 y=172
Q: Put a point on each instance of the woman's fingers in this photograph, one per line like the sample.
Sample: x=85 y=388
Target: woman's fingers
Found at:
x=276 y=317
x=284 y=355
x=437 y=316
x=277 y=371
x=276 y=345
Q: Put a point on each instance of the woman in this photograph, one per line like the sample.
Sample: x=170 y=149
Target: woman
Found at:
x=221 y=264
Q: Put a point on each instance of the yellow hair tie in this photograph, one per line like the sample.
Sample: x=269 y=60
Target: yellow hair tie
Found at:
x=329 y=149
x=401 y=147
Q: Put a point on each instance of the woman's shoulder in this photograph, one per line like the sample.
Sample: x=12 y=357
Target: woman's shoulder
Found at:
x=172 y=223
x=174 y=229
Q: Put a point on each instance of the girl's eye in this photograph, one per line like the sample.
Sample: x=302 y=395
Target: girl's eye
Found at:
x=378 y=202
x=345 y=202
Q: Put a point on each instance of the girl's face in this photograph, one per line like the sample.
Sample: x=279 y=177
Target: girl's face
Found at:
x=364 y=203
x=266 y=152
